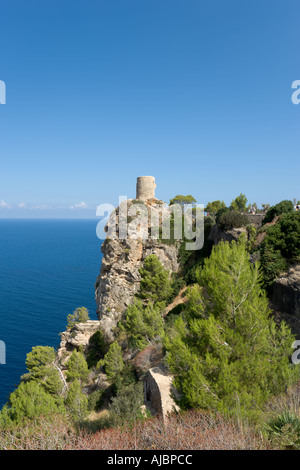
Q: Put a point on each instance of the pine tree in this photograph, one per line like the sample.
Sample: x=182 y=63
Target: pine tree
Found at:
x=143 y=323
x=155 y=283
x=77 y=367
x=30 y=400
x=113 y=361
x=76 y=401
x=226 y=349
x=80 y=315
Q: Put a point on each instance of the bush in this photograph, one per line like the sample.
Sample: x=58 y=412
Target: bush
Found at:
x=30 y=401
x=80 y=315
x=232 y=219
x=77 y=367
x=76 y=402
x=125 y=407
x=284 y=431
x=282 y=207
x=97 y=349
x=281 y=246
x=155 y=283
x=143 y=323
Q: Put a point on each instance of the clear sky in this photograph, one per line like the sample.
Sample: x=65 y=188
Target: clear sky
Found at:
x=194 y=92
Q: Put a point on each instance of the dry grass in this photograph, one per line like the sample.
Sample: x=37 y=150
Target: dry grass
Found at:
x=192 y=430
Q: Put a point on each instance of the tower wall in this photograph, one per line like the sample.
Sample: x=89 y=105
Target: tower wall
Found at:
x=145 y=187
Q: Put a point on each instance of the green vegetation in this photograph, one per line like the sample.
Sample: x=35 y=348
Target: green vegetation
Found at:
x=28 y=401
x=280 y=208
x=143 y=323
x=224 y=350
x=113 y=362
x=183 y=200
x=125 y=407
x=229 y=219
x=80 y=315
x=227 y=355
x=155 y=285
x=281 y=246
x=76 y=402
x=77 y=368
x=239 y=204
x=215 y=206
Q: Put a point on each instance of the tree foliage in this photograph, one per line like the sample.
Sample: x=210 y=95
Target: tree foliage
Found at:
x=143 y=323
x=155 y=285
x=80 y=315
x=183 y=201
x=113 y=362
x=281 y=246
x=77 y=367
x=39 y=363
x=215 y=206
x=76 y=401
x=226 y=351
x=227 y=220
x=282 y=207
x=125 y=407
x=30 y=401
x=239 y=204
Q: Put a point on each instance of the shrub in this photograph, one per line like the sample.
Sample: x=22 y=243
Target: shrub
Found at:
x=95 y=400
x=113 y=361
x=125 y=407
x=30 y=401
x=232 y=219
x=155 y=283
x=77 y=367
x=76 y=402
x=143 y=323
x=282 y=207
x=284 y=431
x=281 y=246
x=80 y=315
x=97 y=348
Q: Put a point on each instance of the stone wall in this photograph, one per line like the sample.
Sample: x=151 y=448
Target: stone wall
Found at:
x=145 y=187
x=158 y=390
x=255 y=219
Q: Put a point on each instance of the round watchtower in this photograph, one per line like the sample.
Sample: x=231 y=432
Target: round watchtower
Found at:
x=145 y=187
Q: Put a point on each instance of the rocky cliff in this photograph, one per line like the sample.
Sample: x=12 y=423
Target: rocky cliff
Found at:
x=286 y=297
x=119 y=277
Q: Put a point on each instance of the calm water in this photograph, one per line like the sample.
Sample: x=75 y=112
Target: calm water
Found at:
x=47 y=269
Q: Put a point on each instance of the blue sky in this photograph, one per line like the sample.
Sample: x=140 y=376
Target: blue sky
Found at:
x=194 y=92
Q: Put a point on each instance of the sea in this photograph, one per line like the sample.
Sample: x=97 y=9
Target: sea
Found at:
x=48 y=268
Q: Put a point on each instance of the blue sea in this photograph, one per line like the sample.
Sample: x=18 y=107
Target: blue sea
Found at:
x=47 y=269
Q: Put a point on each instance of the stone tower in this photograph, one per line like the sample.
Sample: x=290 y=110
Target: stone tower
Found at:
x=145 y=188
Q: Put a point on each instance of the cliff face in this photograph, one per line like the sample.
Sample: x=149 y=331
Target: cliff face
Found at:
x=119 y=277
x=286 y=291
x=217 y=235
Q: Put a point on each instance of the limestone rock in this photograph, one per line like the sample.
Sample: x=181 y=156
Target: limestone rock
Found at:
x=119 y=278
x=286 y=292
x=75 y=337
x=216 y=234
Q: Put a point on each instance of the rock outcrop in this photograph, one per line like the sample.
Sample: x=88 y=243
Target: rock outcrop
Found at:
x=216 y=234
x=286 y=292
x=76 y=337
x=119 y=277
